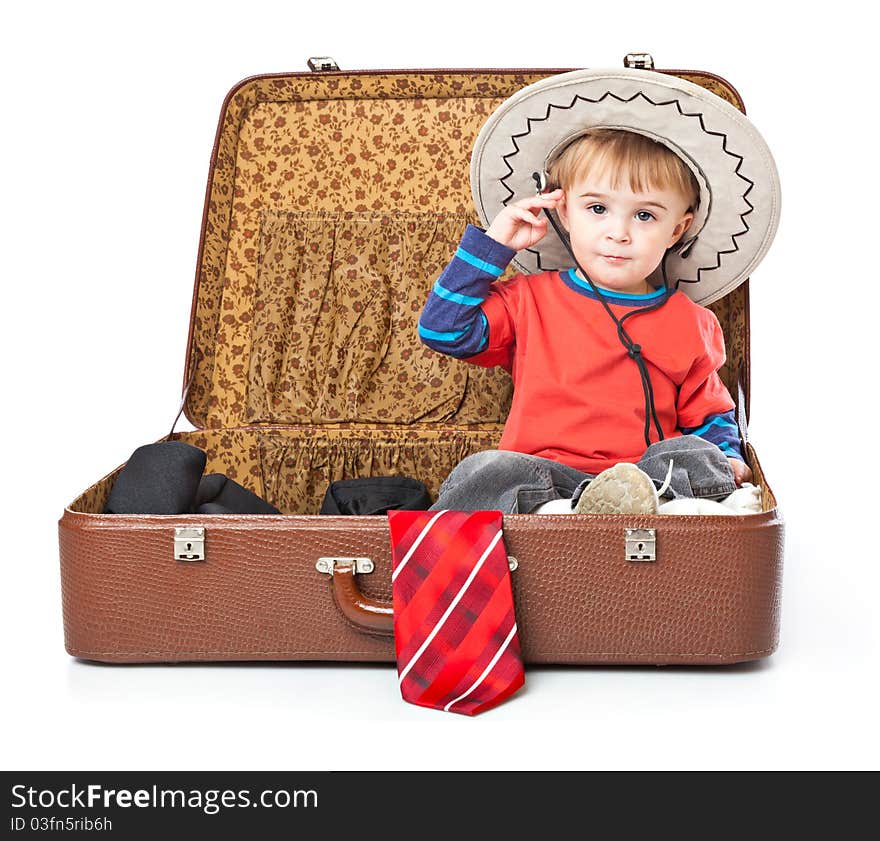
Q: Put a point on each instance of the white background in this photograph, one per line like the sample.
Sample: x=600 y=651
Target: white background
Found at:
x=109 y=114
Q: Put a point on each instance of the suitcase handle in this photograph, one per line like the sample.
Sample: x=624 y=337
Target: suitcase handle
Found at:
x=367 y=614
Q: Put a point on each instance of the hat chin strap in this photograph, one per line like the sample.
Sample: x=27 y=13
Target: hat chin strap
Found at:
x=634 y=351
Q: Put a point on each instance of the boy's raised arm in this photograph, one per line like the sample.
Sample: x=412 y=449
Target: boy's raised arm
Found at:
x=453 y=321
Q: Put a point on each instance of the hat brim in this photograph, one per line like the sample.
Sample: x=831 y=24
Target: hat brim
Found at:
x=740 y=199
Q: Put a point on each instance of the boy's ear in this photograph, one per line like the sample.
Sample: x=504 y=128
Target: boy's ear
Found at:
x=562 y=211
x=681 y=228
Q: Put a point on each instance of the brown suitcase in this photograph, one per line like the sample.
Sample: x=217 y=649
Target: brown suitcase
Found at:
x=334 y=200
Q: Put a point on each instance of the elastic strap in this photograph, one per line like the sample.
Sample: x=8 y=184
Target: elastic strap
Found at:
x=197 y=354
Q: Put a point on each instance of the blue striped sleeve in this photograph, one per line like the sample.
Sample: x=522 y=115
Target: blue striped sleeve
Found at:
x=721 y=430
x=452 y=321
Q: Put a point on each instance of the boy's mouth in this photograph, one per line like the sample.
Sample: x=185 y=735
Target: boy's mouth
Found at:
x=614 y=258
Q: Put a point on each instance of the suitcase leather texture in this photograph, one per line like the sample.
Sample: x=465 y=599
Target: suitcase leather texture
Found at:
x=334 y=200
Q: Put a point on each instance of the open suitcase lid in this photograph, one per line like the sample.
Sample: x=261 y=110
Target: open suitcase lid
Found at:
x=334 y=200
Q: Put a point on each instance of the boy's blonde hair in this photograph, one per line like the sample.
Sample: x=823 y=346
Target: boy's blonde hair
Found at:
x=649 y=164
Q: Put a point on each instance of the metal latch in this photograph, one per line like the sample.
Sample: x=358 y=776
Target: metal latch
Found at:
x=641 y=545
x=189 y=543
x=322 y=63
x=640 y=61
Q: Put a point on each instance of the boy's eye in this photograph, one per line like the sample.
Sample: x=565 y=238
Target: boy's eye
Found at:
x=599 y=210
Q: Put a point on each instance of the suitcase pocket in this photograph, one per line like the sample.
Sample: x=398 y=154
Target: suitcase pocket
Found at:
x=297 y=467
x=334 y=334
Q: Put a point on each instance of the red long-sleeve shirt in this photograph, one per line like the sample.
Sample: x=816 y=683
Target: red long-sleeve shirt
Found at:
x=577 y=395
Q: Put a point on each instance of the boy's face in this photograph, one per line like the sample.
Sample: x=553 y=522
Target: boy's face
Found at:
x=635 y=227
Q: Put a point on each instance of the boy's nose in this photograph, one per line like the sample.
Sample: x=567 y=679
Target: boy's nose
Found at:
x=616 y=228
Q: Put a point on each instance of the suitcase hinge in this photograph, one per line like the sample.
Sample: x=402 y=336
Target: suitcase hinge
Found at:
x=189 y=544
x=639 y=61
x=321 y=63
x=641 y=545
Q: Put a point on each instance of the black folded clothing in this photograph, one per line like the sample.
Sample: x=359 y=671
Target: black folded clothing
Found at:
x=166 y=478
x=376 y=495
x=218 y=494
x=159 y=478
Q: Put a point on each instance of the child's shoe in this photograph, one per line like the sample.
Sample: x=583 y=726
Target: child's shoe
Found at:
x=622 y=489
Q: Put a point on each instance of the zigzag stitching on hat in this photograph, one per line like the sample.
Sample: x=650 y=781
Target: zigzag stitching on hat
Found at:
x=675 y=102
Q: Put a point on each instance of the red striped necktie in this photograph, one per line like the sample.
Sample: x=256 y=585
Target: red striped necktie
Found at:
x=454 y=622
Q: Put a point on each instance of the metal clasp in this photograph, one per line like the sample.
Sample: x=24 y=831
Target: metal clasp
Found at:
x=189 y=543
x=640 y=61
x=641 y=545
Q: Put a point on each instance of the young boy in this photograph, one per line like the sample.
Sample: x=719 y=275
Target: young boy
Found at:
x=577 y=424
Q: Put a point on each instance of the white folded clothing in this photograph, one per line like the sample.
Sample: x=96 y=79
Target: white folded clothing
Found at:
x=744 y=500
x=554 y=506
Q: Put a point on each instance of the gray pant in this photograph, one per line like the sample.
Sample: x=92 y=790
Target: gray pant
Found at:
x=517 y=483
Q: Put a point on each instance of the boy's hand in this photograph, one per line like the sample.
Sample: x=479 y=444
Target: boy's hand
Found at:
x=741 y=471
x=518 y=228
